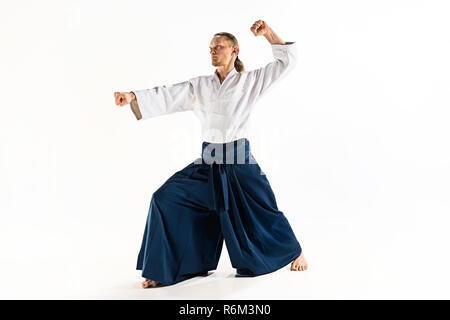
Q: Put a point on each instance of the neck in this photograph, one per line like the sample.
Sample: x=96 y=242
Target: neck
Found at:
x=222 y=71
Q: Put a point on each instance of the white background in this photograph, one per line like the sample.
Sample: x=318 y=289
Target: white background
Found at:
x=355 y=143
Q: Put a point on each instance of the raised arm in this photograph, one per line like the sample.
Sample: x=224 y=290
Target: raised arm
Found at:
x=159 y=100
x=285 y=58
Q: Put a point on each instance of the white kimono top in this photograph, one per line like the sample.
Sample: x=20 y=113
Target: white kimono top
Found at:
x=222 y=108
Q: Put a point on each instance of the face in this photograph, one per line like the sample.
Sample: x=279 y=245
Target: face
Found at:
x=221 y=51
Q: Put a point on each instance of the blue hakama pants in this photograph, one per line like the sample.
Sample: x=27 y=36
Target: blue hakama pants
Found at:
x=221 y=195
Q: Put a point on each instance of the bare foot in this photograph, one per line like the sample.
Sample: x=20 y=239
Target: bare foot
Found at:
x=147 y=283
x=299 y=264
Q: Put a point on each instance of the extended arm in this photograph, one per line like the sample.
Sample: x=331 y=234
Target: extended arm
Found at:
x=162 y=100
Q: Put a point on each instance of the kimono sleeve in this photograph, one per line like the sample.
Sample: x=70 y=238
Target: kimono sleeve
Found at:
x=164 y=99
x=285 y=56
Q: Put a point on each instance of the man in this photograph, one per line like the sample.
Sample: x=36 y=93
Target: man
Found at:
x=204 y=203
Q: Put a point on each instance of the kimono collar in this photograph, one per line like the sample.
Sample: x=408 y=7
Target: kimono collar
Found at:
x=231 y=73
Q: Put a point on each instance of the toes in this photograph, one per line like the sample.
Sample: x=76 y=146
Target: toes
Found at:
x=298 y=267
x=149 y=283
x=154 y=283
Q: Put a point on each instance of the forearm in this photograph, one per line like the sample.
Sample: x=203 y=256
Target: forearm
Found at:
x=135 y=107
x=272 y=37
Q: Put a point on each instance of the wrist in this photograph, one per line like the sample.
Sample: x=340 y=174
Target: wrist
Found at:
x=133 y=96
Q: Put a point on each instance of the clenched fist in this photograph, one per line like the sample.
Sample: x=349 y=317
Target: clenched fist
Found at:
x=259 y=28
x=123 y=98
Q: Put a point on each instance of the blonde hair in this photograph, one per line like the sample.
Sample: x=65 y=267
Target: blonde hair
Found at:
x=237 y=63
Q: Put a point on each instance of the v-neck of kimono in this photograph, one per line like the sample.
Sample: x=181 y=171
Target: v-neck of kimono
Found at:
x=229 y=75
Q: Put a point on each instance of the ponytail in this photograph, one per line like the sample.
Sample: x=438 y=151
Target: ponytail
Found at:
x=238 y=65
